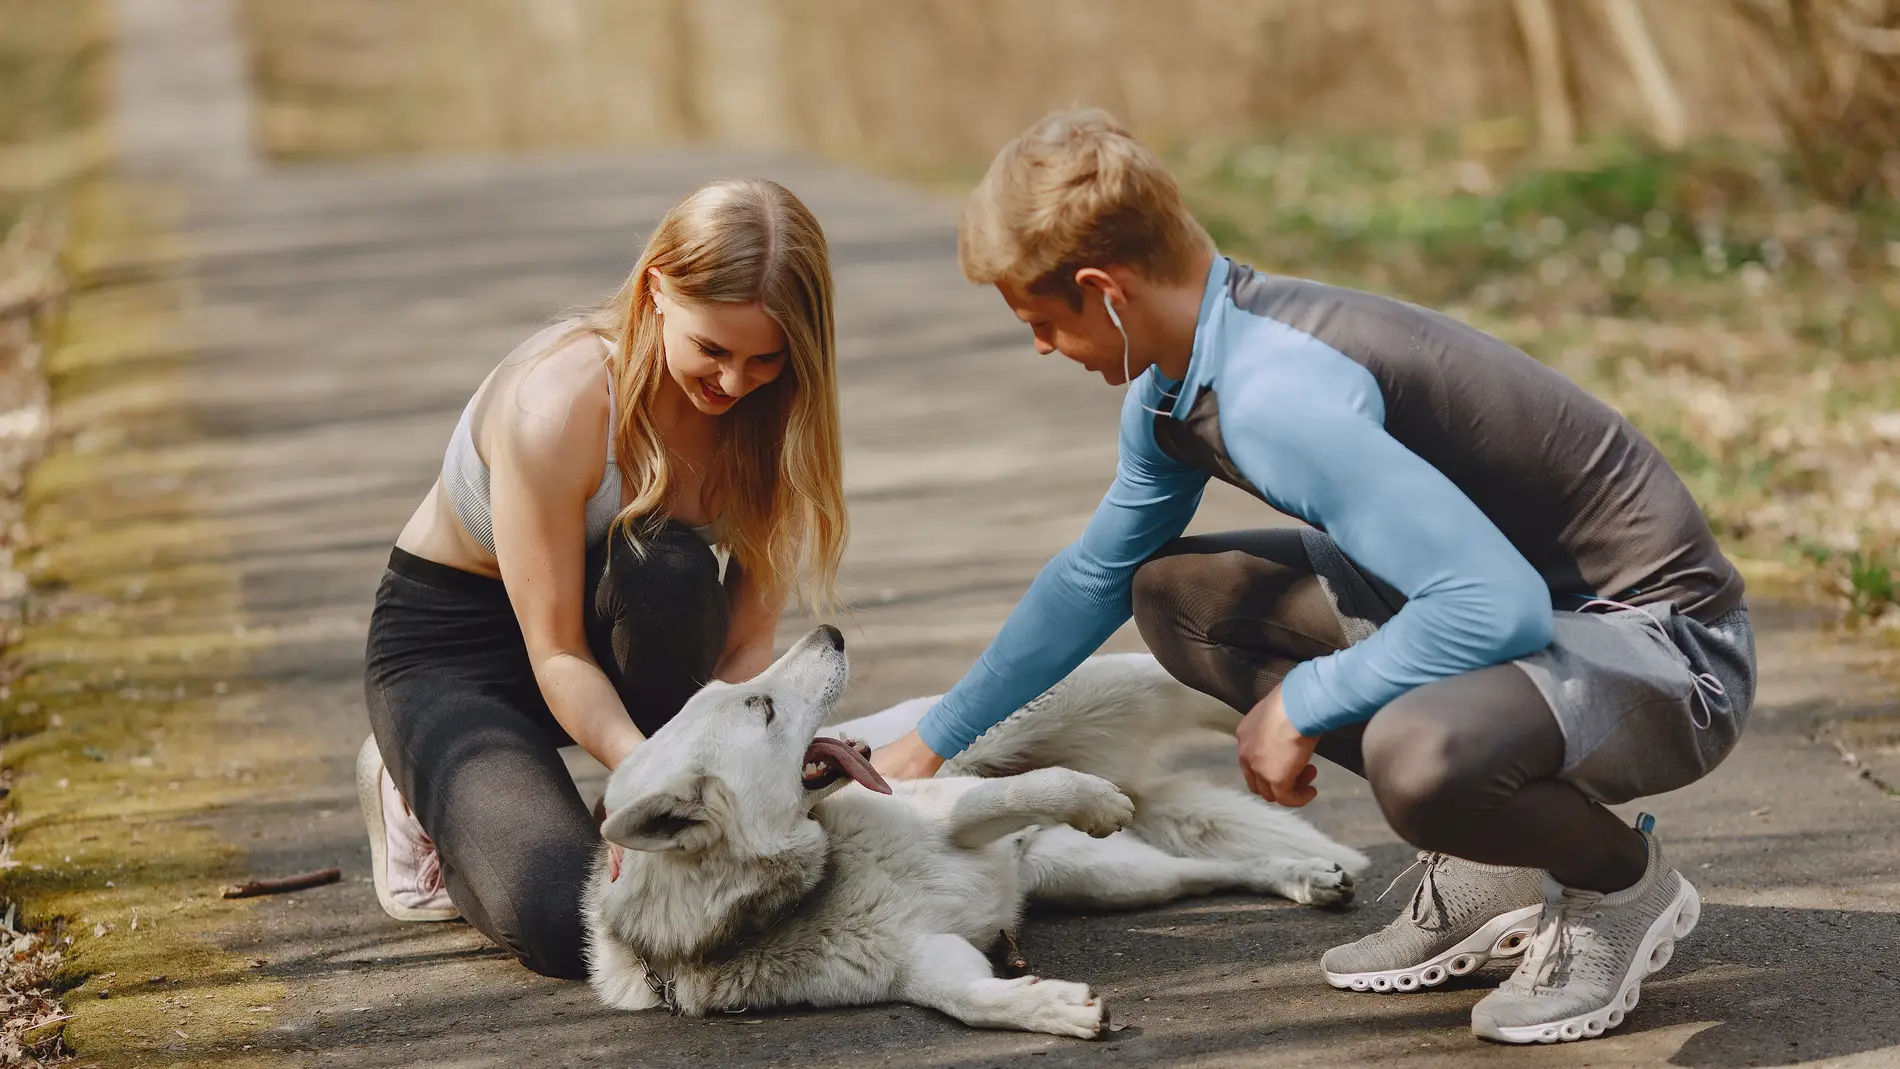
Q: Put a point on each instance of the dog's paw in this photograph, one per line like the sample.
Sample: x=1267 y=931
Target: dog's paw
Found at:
x=1316 y=882
x=1100 y=808
x=625 y=992
x=1061 y=1008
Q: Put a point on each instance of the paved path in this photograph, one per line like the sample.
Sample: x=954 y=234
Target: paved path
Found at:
x=342 y=316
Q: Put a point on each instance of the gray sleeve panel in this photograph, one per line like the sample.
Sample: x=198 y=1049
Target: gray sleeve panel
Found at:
x=1588 y=500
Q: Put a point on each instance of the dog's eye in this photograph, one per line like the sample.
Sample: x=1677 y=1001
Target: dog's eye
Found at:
x=763 y=703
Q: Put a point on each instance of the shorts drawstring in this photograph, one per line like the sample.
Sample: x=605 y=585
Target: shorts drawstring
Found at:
x=1705 y=682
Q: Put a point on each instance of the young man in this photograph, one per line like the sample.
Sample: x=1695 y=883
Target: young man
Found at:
x=1507 y=613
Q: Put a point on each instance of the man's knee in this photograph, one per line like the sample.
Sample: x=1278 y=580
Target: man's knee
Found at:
x=1416 y=764
x=1161 y=613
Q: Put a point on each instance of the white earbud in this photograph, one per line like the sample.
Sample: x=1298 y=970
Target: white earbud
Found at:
x=1128 y=378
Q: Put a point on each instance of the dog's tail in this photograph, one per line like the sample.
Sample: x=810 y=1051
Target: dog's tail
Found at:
x=1113 y=717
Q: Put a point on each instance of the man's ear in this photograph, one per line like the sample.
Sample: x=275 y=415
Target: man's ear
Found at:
x=1094 y=282
x=672 y=819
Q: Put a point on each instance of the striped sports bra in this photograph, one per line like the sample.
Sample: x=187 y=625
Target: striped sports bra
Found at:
x=465 y=476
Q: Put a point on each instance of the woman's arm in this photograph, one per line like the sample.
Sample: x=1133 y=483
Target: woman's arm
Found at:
x=752 y=628
x=545 y=459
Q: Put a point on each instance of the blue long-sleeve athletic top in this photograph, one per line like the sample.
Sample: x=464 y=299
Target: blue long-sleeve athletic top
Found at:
x=1327 y=403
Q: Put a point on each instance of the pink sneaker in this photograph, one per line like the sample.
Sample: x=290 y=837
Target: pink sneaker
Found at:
x=404 y=863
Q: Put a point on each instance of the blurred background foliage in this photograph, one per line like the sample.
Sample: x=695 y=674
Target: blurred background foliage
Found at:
x=1688 y=205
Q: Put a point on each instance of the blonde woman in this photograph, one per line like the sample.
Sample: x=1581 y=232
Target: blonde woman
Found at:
x=559 y=585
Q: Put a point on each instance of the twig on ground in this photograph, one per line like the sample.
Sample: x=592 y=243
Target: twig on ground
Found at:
x=282 y=884
x=1861 y=771
x=1009 y=958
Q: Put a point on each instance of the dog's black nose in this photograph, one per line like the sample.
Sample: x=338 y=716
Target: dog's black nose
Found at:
x=832 y=635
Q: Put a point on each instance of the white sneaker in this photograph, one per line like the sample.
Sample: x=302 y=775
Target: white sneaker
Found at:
x=404 y=863
x=1462 y=915
x=1586 y=965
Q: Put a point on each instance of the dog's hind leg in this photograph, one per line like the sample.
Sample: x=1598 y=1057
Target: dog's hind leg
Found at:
x=950 y=976
x=991 y=809
x=1123 y=872
x=1190 y=817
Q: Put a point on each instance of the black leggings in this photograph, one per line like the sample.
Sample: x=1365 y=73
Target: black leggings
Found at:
x=1467 y=766
x=471 y=743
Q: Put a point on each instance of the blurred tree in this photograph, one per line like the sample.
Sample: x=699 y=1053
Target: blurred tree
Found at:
x=1544 y=50
x=1838 y=90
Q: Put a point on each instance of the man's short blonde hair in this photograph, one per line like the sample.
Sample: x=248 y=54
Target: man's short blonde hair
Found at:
x=1076 y=190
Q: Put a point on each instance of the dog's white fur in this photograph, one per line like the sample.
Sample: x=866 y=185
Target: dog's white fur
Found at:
x=740 y=888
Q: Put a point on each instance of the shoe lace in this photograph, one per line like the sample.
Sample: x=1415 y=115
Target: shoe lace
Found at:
x=1563 y=932
x=429 y=879
x=1425 y=898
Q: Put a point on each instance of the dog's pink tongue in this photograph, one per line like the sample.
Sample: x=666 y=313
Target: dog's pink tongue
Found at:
x=843 y=757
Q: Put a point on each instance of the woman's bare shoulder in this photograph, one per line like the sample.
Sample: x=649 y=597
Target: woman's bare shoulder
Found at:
x=553 y=398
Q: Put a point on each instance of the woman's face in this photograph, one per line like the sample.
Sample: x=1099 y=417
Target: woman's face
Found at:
x=718 y=352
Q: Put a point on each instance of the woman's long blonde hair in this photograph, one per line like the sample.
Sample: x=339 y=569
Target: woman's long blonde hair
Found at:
x=779 y=471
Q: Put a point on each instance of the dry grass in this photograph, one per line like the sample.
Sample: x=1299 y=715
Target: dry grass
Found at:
x=1836 y=89
x=30 y=1014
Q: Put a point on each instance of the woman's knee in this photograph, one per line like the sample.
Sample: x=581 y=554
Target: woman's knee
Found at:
x=535 y=915
x=673 y=569
x=556 y=953
x=547 y=938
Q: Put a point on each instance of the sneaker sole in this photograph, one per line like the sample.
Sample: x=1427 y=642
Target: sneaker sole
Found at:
x=369 y=795
x=1503 y=936
x=1658 y=946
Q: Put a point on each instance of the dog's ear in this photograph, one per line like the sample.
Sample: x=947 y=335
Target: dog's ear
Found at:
x=674 y=819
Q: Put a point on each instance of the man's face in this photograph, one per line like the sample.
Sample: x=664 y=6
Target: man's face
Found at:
x=1084 y=335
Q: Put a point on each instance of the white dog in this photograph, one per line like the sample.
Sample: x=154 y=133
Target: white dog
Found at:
x=755 y=873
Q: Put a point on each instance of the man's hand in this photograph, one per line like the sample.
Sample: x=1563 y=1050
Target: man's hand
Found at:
x=907 y=758
x=1276 y=759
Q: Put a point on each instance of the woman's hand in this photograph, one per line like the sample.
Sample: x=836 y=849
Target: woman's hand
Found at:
x=907 y=758
x=1276 y=759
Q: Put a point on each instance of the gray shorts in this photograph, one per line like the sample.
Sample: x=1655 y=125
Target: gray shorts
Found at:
x=1648 y=699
